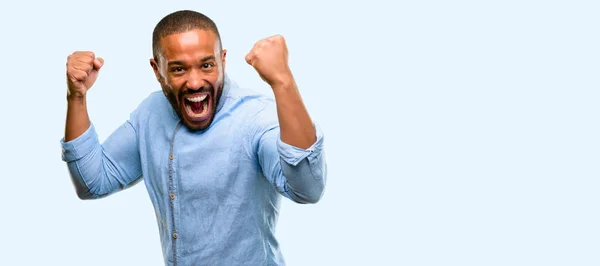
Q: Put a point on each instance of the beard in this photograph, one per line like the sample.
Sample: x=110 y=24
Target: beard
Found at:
x=177 y=98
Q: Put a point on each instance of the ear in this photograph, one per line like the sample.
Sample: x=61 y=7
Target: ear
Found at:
x=223 y=56
x=154 y=66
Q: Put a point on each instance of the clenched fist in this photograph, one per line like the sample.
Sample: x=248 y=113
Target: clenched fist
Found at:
x=270 y=59
x=82 y=71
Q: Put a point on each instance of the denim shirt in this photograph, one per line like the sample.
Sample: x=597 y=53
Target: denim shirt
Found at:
x=216 y=192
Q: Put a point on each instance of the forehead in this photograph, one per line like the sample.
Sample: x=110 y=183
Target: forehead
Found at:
x=189 y=43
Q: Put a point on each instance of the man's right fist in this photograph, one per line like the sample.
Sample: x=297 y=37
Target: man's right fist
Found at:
x=82 y=71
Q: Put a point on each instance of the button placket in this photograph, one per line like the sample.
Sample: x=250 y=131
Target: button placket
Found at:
x=172 y=189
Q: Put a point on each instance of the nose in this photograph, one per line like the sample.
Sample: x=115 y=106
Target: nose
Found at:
x=195 y=80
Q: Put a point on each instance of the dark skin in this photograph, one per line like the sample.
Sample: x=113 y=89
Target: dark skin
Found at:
x=189 y=67
x=192 y=70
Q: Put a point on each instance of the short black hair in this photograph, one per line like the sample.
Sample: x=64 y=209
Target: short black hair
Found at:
x=178 y=22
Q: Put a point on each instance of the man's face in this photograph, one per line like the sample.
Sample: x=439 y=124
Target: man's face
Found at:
x=190 y=71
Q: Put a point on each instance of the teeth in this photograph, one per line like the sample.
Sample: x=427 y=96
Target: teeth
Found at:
x=191 y=113
x=197 y=99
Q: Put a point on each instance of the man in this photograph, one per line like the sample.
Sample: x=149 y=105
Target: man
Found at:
x=215 y=157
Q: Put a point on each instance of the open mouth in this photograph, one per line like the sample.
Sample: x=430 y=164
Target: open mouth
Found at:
x=197 y=106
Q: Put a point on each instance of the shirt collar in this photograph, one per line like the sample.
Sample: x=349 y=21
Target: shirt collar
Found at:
x=224 y=95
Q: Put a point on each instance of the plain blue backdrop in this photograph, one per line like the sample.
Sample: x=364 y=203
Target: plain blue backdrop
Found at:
x=457 y=132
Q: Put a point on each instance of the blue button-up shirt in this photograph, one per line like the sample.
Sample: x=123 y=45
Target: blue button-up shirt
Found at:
x=216 y=192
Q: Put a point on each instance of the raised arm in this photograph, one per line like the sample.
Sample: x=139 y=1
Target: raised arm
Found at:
x=290 y=149
x=298 y=174
x=82 y=72
x=97 y=170
x=270 y=59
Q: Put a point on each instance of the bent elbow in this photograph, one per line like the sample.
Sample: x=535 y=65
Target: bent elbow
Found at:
x=312 y=200
x=310 y=196
x=82 y=191
x=305 y=182
x=84 y=194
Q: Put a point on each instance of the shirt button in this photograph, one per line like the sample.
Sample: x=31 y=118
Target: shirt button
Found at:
x=171 y=156
x=175 y=235
x=172 y=195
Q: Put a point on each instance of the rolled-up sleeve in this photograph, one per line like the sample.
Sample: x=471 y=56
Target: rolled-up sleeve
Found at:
x=298 y=174
x=99 y=169
x=80 y=146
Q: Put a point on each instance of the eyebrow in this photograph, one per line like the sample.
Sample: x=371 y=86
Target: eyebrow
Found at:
x=206 y=58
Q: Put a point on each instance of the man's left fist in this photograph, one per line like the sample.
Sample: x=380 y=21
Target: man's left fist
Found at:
x=270 y=59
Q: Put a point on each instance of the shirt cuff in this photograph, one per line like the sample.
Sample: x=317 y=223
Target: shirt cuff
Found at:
x=293 y=155
x=80 y=146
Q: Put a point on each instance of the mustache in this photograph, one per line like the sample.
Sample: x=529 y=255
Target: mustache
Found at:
x=204 y=89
